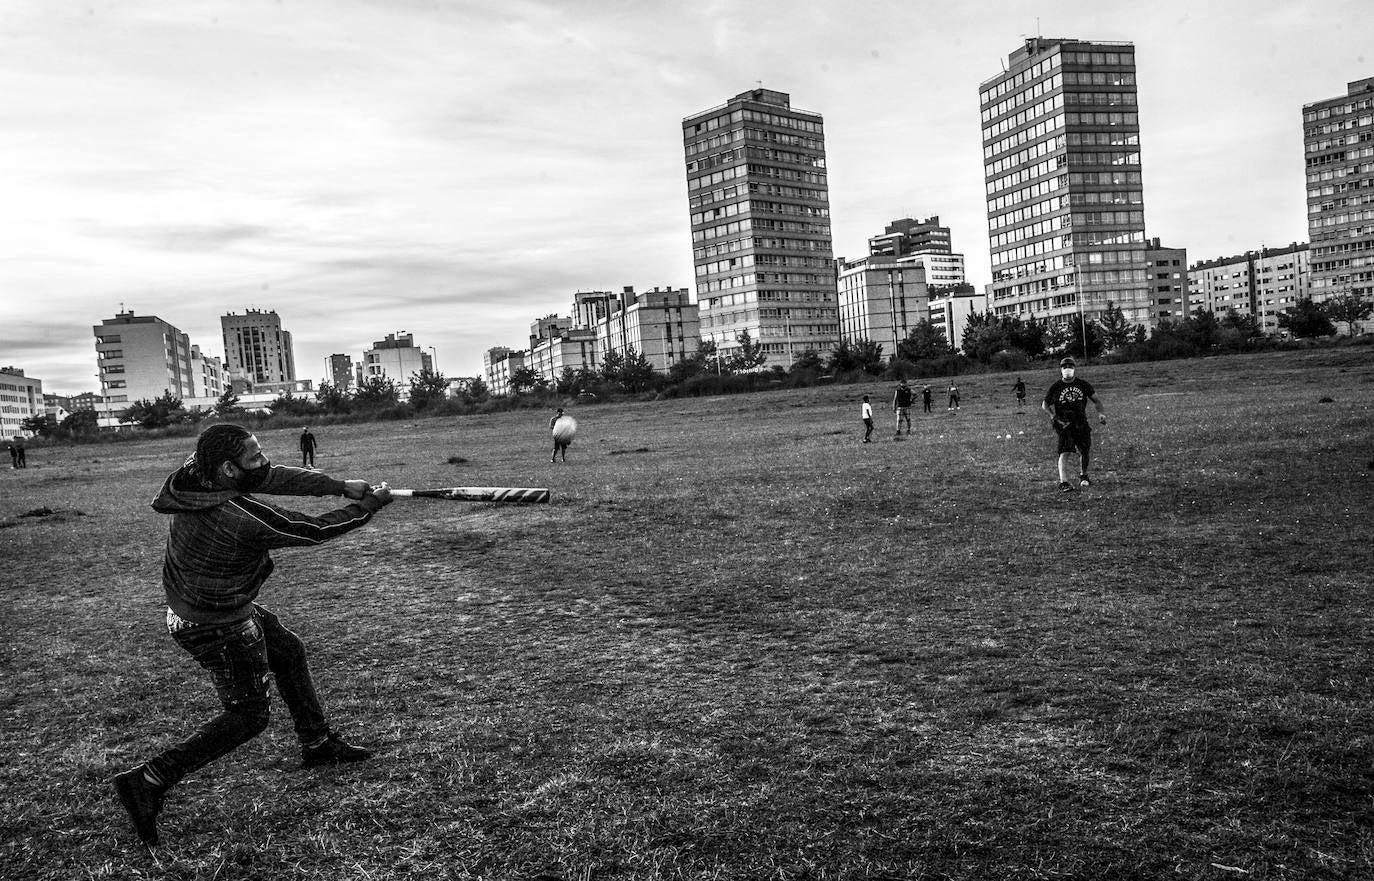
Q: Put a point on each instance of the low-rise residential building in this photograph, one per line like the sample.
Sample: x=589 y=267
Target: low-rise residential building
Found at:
x=141 y=357
x=950 y=310
x=396 y=358
x=1259 y=283
x=21 y=397
x=207 y=374
x=1167 y=271
x=661 y=324
x=881 y=298
x=498 y=364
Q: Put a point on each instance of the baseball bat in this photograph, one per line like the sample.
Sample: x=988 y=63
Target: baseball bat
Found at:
x=508 y=494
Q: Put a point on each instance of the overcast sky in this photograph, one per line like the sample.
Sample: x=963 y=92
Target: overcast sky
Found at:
x=458 y=169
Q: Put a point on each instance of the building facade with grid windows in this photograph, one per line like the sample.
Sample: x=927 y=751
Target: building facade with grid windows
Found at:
x=1338 y=137
x=1065 y=202
x=759 y=202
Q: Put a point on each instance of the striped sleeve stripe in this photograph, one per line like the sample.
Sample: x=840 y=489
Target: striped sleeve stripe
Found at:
x=305 y=528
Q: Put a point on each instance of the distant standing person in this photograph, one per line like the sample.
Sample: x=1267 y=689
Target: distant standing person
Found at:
x=1020 y=389
x=307 y=448
x=19 y=448
x=868 y=420
x=953 y=396
x=217 y=559
x=14 y=454
x=1067 y=403
x=560 y=449
x=902 y=399
x=925 y=398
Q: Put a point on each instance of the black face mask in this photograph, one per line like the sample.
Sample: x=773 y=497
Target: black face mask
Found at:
x=251 y=479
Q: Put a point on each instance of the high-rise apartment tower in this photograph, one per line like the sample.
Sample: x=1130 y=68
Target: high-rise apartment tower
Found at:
x=1061 y=158
x=760 y=211
x=1338 y=135
x=257 y=349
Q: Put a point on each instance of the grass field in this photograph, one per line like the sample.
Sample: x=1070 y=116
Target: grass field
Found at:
x=740 y=644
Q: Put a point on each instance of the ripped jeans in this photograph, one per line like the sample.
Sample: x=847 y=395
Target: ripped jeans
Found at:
x=240 y=657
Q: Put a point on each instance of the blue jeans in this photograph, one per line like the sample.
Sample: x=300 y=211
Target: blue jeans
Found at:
x=240 y=658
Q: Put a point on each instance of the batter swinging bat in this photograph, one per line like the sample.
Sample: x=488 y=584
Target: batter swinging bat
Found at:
x=509 y=494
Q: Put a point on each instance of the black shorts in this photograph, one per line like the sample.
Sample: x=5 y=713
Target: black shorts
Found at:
x=1074 y=437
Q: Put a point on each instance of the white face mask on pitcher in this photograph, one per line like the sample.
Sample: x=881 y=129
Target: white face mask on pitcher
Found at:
x=1066 y=373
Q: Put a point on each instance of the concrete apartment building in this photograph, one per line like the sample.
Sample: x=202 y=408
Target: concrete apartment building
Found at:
x=1338 y=136
x=338 y=372
x=1065 y=204
x=927 y=240
x=556 y=344
x=141 y=357
x=1167 y=271
x=759 y=202
x=661 y=324
x=881 y=298
x=208 y=378
x=396 y=358
x=1259 y=283
x=950 y=311
x=21 y=397
x=258 y=354
x=498 y=364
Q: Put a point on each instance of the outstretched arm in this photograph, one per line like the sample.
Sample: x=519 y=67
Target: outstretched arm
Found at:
x=1101 y=414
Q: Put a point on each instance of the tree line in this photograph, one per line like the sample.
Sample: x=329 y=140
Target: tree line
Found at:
x=989 y=341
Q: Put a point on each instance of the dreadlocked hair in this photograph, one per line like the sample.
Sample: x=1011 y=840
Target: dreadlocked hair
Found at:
x=216 y=445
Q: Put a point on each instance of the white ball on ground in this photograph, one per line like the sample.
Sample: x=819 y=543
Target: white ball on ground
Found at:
x=564 y=430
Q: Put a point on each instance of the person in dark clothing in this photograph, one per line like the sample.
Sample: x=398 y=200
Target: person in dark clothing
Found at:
x=307 y=448
x=20 y=459
x=902 y=399
x=13 y=447
x=1020 y=390
x=216 y=562
x=953 y=396
x=1067 y=403
x=925 y=398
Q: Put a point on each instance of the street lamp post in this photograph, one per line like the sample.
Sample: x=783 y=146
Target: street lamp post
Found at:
x=433 y=359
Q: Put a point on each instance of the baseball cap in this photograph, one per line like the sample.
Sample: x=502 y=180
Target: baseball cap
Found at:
x=1066 y=362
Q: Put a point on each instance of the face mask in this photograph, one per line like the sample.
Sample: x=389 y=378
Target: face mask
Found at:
x=249 y=480
x=1067 y=373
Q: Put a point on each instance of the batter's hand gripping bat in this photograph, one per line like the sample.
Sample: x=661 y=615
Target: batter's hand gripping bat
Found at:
x=508 y=494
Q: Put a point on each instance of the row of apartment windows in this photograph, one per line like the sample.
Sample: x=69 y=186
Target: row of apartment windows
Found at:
x=1102 y=99
x=1104 y=158
x=1343 y=141
x=1044 y=108
x=1039 y=130
x=784 y=138
x=1099 y=78
x=1025 y=232
x=1344 y=156
x=715 y=122
x=1023 y=175
x=1022 y=270
x=1111 y=118
x=771 y=155
x=718 y=141
x=1332 y=189
x=1034 y=151
x=1338 y=110
x=1103 y=178
x=793 y=122
x=724 y=229
x=1345 y=202
x=1126 y=59
x=1335 y=173
x=1042 y=188
x=1340 y=219
x=1128 y=197
x=1044 y=87
x=1039 y=69
x=798 y=226
x=717 y=177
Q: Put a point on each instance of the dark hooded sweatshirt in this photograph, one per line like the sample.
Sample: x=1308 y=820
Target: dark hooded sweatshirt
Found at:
x=217 y=554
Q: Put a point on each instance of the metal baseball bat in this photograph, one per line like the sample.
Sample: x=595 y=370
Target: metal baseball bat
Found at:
x=508 y=494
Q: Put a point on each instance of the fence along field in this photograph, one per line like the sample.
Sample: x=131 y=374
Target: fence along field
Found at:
x=740 y=644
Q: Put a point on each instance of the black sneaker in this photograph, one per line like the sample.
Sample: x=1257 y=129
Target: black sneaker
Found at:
x=143 y=801
x=1065 y=486
x=1084 y=482
x=334 y=751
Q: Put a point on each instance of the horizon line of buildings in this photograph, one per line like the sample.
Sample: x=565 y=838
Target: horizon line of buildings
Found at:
x=1064 y=195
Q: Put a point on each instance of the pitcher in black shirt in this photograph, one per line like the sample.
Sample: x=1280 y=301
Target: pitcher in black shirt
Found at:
x=1067 y=403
